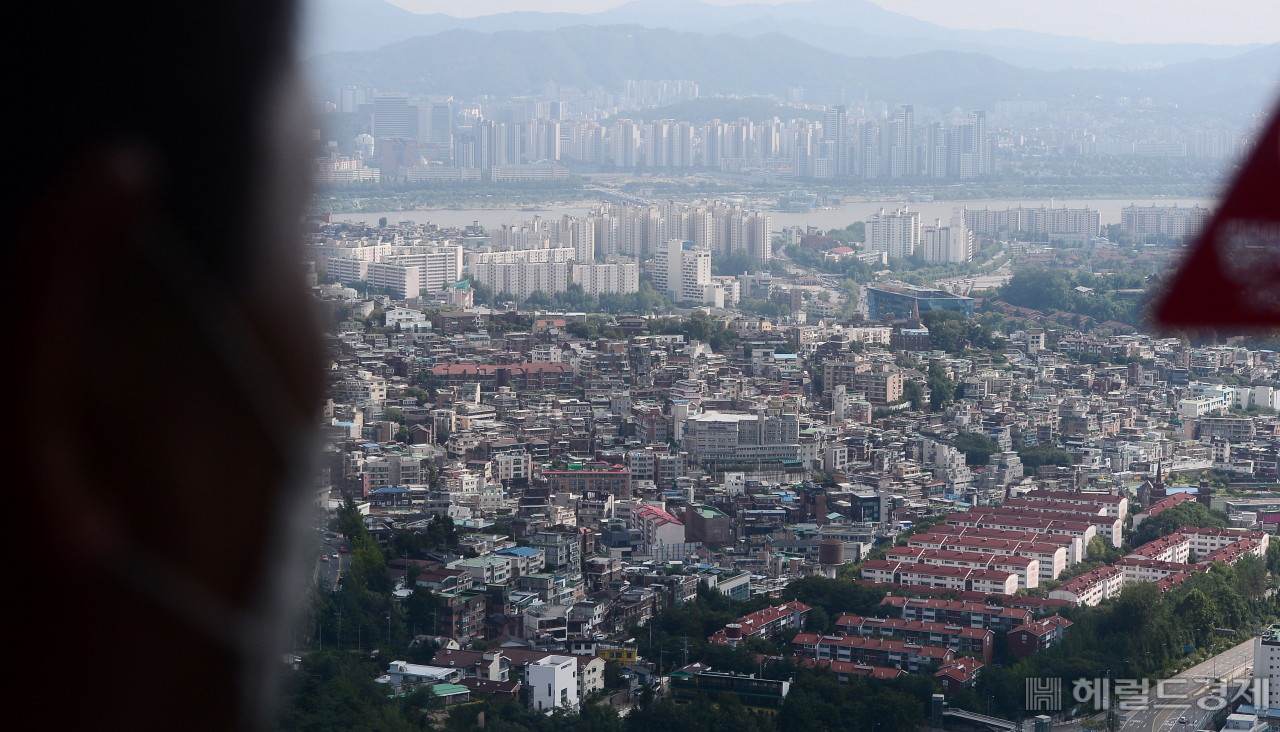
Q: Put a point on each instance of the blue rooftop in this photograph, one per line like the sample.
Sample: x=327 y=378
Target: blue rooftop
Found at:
x=518 y=551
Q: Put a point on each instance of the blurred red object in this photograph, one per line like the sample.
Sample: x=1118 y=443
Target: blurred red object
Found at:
x=1233 y=276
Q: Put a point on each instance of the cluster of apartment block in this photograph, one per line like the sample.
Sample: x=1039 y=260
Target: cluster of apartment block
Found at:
x=927 y=636
x=1166 y=561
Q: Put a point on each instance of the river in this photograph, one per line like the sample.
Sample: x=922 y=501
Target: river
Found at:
x=827 y=218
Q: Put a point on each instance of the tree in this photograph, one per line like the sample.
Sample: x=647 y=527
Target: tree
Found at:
x=1100 y=550
x=1273 y=557
x=912 y=392
x=1198 y=612
x=382 y=222
x=952 y=332
x=1250 y=575
x=819 y=621
x=942 y=389
x=350 y=522
x=538 y=299
x=1136 y=605
x=1034 y=457
x=976 y=448
x=1038 y=288
x=1166 y=522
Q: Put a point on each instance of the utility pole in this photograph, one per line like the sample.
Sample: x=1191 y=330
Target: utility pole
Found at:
x=339 y=614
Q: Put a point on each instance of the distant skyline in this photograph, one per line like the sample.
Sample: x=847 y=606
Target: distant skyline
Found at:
x=1230 y=22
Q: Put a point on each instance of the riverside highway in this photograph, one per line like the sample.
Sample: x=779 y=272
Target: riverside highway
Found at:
x=1198 y=683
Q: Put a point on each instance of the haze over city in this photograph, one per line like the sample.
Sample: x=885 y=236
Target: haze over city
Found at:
x=1231 y=22
x=649 y=366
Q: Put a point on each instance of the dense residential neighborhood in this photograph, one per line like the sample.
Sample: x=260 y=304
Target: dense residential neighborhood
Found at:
x=547 y=487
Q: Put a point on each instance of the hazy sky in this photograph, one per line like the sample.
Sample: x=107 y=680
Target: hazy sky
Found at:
x=1126 y=21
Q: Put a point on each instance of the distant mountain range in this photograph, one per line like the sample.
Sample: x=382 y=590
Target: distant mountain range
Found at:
x=849 y=27
x=469 y=63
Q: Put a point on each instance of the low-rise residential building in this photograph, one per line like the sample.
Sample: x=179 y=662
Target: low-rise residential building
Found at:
x=1091 y=587
x=765 y=623
x=957 y=612
x=909 y=657
x=958 y=638
x=1037 y=636
x=990 y=581
x=756 y=694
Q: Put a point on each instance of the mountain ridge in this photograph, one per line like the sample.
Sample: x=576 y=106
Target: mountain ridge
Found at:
x=346 y=25
x=509 y=63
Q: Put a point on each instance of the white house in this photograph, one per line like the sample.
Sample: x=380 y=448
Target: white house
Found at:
x=554 y=681
x=659 y=527
x=407 y=319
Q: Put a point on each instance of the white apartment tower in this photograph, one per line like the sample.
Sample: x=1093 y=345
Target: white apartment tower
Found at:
x=658 y=140
x=713 y=134
x=597 y=279
x=624 y=139
x=579 y=234
x=897 y=233
x=902 y=152
x=525 y=272
x=835 y=138
x=682 y=145
x=949 y=243
x=682 y=271
x=1266 y=664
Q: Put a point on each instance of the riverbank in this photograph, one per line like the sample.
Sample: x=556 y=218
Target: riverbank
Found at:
x=825 y=218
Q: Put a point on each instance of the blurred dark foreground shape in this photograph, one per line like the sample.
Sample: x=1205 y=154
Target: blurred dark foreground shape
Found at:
x=1232 y=278
x=165 y=368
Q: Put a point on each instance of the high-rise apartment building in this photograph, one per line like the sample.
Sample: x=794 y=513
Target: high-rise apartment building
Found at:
x=682 y=145
x=1164 y=220
x=409 y=271
x=1073 y=222
x=682 y=271
x=658 y=140
x=950 y=243
x=713 y=134
x=523 y=272
x=598 y=279
x=835 y=137
x=896 y=233
x=902 y=150
x=936 y=146
x=971 y=151
x=624 y=141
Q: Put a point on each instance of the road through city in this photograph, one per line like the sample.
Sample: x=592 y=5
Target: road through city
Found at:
x=1190 y=686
